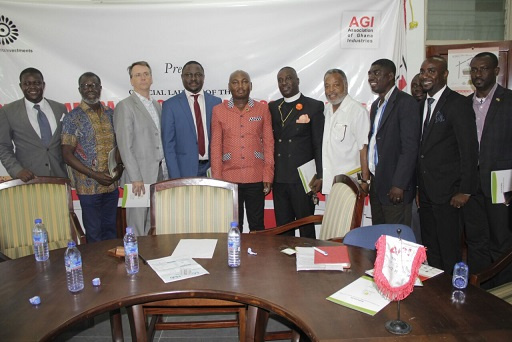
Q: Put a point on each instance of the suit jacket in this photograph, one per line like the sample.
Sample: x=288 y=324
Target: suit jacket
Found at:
x=179 y=137
x=397 y=140
x=449 y=149
x=496 y=140
x=30 y=152
x=138 y=140
x=297 y=143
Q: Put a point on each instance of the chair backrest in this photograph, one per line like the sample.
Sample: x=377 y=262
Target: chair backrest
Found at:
x=344 y=209
x=367 y=236
x=48 y=198
x=193 y=205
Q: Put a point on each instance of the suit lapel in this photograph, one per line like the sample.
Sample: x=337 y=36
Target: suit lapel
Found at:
x=185 y=108
x=25 y=121
x=140 y=106
x=389 y=107
x=493 y=108
x=437 y=108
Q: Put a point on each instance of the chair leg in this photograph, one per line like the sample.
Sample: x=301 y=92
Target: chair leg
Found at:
x=151 y=327
x=256 y=324
x=242 y=321
x=137 y=323
x=116 y=325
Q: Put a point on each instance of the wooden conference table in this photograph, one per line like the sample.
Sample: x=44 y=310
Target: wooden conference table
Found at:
x=267 y=281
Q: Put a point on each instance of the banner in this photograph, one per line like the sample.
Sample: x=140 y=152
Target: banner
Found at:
x=64 y=40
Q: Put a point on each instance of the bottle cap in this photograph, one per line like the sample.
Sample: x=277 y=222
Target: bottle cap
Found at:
x=71 y=244
x=35 y=300
x=38 y=220
x=96 y=282
x=234 y=224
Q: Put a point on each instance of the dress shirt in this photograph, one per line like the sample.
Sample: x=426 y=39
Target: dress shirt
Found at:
x=376 y=123
x=345 y=134
x=293 y=98
x=148 y=103
x=200 y=100
x=242 y=146
x=436 y=98
x=481 y=107
x=46 y=109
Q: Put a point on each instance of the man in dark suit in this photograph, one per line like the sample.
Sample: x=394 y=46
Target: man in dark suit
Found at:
x=186 y=123
x=493 y=109
x=298 y=125
x=33 y=125
x=447 y=164
x=393 y=147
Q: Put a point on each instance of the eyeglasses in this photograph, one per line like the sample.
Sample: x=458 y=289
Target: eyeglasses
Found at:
x=196 y=75
x=481 y=70
x=140 y=74
x=94 y=86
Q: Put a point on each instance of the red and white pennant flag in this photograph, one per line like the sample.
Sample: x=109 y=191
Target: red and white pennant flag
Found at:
x=396 y=266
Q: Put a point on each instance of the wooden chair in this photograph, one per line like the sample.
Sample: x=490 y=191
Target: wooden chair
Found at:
x=343 y=212
x=503 y=291
x=48 y=198
x=193 y=205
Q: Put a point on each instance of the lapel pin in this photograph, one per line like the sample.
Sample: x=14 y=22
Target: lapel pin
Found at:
x=498 y=99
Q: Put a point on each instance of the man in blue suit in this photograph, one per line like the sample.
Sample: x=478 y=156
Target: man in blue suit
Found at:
x=186 y=120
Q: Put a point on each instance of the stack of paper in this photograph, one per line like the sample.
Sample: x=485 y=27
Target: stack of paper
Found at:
x=310 y=260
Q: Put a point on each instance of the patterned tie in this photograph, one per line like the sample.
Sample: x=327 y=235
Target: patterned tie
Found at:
x=429 y=111
x=199 y=124
x=44 y=126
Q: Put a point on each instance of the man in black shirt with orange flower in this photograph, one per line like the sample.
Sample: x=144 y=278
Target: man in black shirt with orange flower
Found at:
x=298 y=126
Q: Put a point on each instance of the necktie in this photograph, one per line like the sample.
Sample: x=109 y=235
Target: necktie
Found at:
x=199 y=125
x=429 y=111
x=44 y=126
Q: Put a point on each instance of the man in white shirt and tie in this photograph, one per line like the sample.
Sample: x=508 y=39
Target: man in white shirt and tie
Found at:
x=186 y=122
x=33 y=125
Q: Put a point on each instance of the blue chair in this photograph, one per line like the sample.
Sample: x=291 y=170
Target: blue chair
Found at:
x=366 y=237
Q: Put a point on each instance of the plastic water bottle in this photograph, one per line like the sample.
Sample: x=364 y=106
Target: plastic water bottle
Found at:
x=40 y=238
x=460 y=275
x=234 y=245
x=73 y=262
x=131 y=252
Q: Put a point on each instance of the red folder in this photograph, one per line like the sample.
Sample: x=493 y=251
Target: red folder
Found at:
x=336 y=255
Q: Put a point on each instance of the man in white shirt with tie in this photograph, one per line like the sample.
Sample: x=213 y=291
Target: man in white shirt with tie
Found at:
x=33 y=125
x=186 y=122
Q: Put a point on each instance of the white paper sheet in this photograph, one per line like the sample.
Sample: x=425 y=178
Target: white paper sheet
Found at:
x=132 y=201
x=170 y=269
x=501 y=182
x=361 y=295
x=195 y=248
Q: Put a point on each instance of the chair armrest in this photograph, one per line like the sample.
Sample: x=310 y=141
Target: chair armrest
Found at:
x=292 y=225
x=495 y=268
x=77 y=228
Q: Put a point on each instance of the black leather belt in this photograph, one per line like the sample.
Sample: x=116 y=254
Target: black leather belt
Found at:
x=203 y=161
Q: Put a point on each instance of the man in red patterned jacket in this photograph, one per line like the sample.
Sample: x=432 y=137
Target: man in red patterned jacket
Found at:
x=242 y=148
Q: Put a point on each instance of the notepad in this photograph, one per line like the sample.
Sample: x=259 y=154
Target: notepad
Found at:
x=306 y=261
x=335 y=255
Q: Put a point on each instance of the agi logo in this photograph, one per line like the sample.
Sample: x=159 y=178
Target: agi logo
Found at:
x=8 y=31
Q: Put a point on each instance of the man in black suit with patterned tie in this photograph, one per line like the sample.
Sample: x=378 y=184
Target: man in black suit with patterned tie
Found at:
x=447 y=166
x=298 y=126
x=493 y=109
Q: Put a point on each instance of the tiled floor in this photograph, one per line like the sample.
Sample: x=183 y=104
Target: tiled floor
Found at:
x=100 y=332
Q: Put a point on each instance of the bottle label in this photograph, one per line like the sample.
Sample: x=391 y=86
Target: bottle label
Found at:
x=37 y=238
x=130 y=249
x=73 y=264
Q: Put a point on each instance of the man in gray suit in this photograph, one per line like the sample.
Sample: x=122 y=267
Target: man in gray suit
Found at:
x=33 y=125
x=137 y=126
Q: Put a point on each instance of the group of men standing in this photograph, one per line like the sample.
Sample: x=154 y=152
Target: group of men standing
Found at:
x=430 y=147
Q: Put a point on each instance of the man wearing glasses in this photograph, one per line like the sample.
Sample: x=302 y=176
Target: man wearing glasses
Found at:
x=186 y=122
x=137 y=124
x=33 y=125
x=87 y=138
x=347 y=123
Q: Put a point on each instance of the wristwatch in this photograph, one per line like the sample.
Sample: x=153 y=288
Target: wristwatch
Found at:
x=367 y=181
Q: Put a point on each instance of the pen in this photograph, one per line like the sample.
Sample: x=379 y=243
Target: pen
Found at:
x=320 y=251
